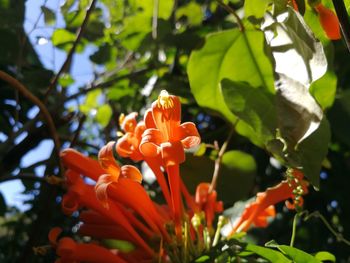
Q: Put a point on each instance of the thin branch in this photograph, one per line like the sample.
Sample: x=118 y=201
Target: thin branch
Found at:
x=342 y=14
x=108 y=83
x=31 y=177
x=155 y=19
x=338 y=235
x=72 y=50
x=77 y=132
x=233 y=12
x=46 y=114
x=219 y=159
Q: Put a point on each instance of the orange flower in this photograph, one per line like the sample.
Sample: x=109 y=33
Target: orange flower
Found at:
x=263 y=207
x=166 y=137
x=207 y=202
x=128 y=144
x=329 y=22
x=71 y=251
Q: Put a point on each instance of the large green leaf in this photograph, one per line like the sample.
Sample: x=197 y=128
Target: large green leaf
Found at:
x=324 y=89
x=313 y=150
x=254 y=106
x=231 y=54
x=297 y=255
x=298 y=112
x=255 y=8
x=268 y=253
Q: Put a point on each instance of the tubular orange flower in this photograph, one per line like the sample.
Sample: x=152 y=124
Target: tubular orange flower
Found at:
x=165 y=136
x=329 y=22
x=207 y=202
x=263 y=207
x=128 y=144
x=71 y=251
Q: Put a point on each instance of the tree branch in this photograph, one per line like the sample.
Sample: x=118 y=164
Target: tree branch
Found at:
x=72 y=50
x=47 y=116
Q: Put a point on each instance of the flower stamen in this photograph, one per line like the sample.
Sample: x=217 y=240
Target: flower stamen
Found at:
x=164 y=100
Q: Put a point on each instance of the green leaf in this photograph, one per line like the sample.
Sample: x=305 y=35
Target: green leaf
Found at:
x=313 y=150
x=192 y=11
x=267 y=253
x=325 y=256
x=104 y=114
x=231 y=54
x=102 y=55
x=254 y=106
x=236 y=177
x=297 y=255
x=122 y=245
x=298 y=113
x=202 y=259
x=91 y=101
x=295 y=44
x=65 y=80
x=255 y=8
x=63 y=39
x=324 y=89
x=49 y=15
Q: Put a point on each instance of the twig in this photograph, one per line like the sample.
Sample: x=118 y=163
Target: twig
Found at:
x=108 y=83
x=77 y=132
x=155 y=19
x=31 y=177
x=338 y=236
x=72 y=50
x=47 y=116
x=219 y=159
x=342 y=14
x=233 y=12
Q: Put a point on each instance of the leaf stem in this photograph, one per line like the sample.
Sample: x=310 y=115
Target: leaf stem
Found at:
x=294 y=227
x=233 y=12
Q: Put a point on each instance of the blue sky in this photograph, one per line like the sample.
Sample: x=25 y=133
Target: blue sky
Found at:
x=52 y=58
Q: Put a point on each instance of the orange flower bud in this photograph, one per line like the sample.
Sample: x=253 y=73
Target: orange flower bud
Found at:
x=329 y=22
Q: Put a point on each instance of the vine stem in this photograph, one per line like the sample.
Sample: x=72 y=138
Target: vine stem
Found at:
x=14 y=83
x=72 y=50
x=294 y=228
x=233 y=12
x=339 y=236
x=219 y=159
x=31 y=177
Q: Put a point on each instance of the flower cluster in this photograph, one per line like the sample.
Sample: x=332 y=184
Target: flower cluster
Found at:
x=118 y=208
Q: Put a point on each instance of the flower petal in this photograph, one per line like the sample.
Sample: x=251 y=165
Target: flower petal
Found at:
x=53 y=235
x=107 y=161
x=128 y=122
x=131 y=172
x=188 y=134
x=101 y=188
x=148 y=119
x=172 y=153
x=151 y=139
x=167 y=116
x=81 y=164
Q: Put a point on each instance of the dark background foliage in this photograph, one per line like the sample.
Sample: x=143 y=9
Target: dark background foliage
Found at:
x=130 y=53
